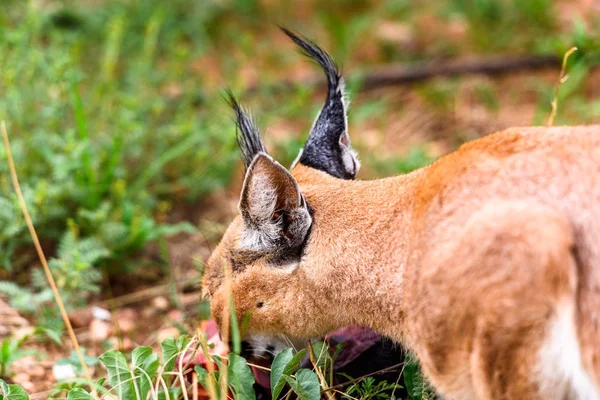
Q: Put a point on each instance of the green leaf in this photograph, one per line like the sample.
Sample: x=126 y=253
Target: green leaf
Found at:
x=410 y=370
x=143 y=360
x=173 y=229
x=173 y=394
x=170 y=348
x=12 y=392
x=202 y=374
x=241 y=378
x=277 y=370
x=204 y=377
x=169 y=351
x=119 y=375
x=416 y=384
x=283 y=365
x=51 y=333
x=309 y=382
x=306 y=385
x=79 y=394
x=5 y=351
x=322 y=356
x=182 y=342
x=235 y=329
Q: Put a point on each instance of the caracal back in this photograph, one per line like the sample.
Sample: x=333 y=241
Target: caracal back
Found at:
x=506 y=298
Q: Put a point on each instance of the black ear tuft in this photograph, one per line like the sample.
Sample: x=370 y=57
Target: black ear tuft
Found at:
x=248 y=135
x=328 y=145
x=314 y=52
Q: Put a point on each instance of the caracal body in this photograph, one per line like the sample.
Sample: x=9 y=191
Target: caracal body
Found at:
x=485 y=263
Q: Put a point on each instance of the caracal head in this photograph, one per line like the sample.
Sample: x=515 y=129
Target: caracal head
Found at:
x=258 y=263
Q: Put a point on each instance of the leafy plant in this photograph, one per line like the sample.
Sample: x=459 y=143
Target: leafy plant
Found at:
x=240 y=377
x=73 y=360
x=240 y=380
x=415 y=382
x=304 y=382
x=24 y=299
x=79 y=394
x=73 y=270
x=11 y=351
x=128 y=380
x=171 y=348
x=368 y=388
x=101 y=157
x=12 y=392
x=11 y=347
x=148 y=375
x=131 y=381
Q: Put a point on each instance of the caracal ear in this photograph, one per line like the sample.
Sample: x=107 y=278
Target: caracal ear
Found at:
x=276 y=216
x=328 y=146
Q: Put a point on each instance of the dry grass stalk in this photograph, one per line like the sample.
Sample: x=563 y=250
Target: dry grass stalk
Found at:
x=562 y=78
x=194 y=386
x=318 y=371
x=42 y=257
x=225 y=328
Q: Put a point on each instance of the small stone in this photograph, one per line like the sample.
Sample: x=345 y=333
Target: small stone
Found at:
x=36 y=371
x=126 y=320
x=24 y=332
x=126 y=325
x=160 y=303
x=128 y=312
x=63 y=372
x=99 y=330
x=81 y=318
x=100 y=313
x=4 y=331
x=166 y=333
x=111 y=343
x=395 y=32
x=127 y=344
x=175 y=315
x=148 y=312
x=24 y=363
x=28 y=386
x=20 y=378
x=24 y=380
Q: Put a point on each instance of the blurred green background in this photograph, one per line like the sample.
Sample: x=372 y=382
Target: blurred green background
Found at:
x=122 y=139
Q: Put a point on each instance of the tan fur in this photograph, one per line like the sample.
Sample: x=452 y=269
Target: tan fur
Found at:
x=466 y=261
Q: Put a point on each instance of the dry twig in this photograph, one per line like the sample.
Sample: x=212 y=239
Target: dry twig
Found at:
x=400 y=74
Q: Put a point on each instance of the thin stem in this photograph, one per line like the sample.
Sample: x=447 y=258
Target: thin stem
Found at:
x=562 y=77
x=42 y=257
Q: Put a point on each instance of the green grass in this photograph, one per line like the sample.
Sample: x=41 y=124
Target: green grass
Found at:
x=491 y=23
x=99 y=145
